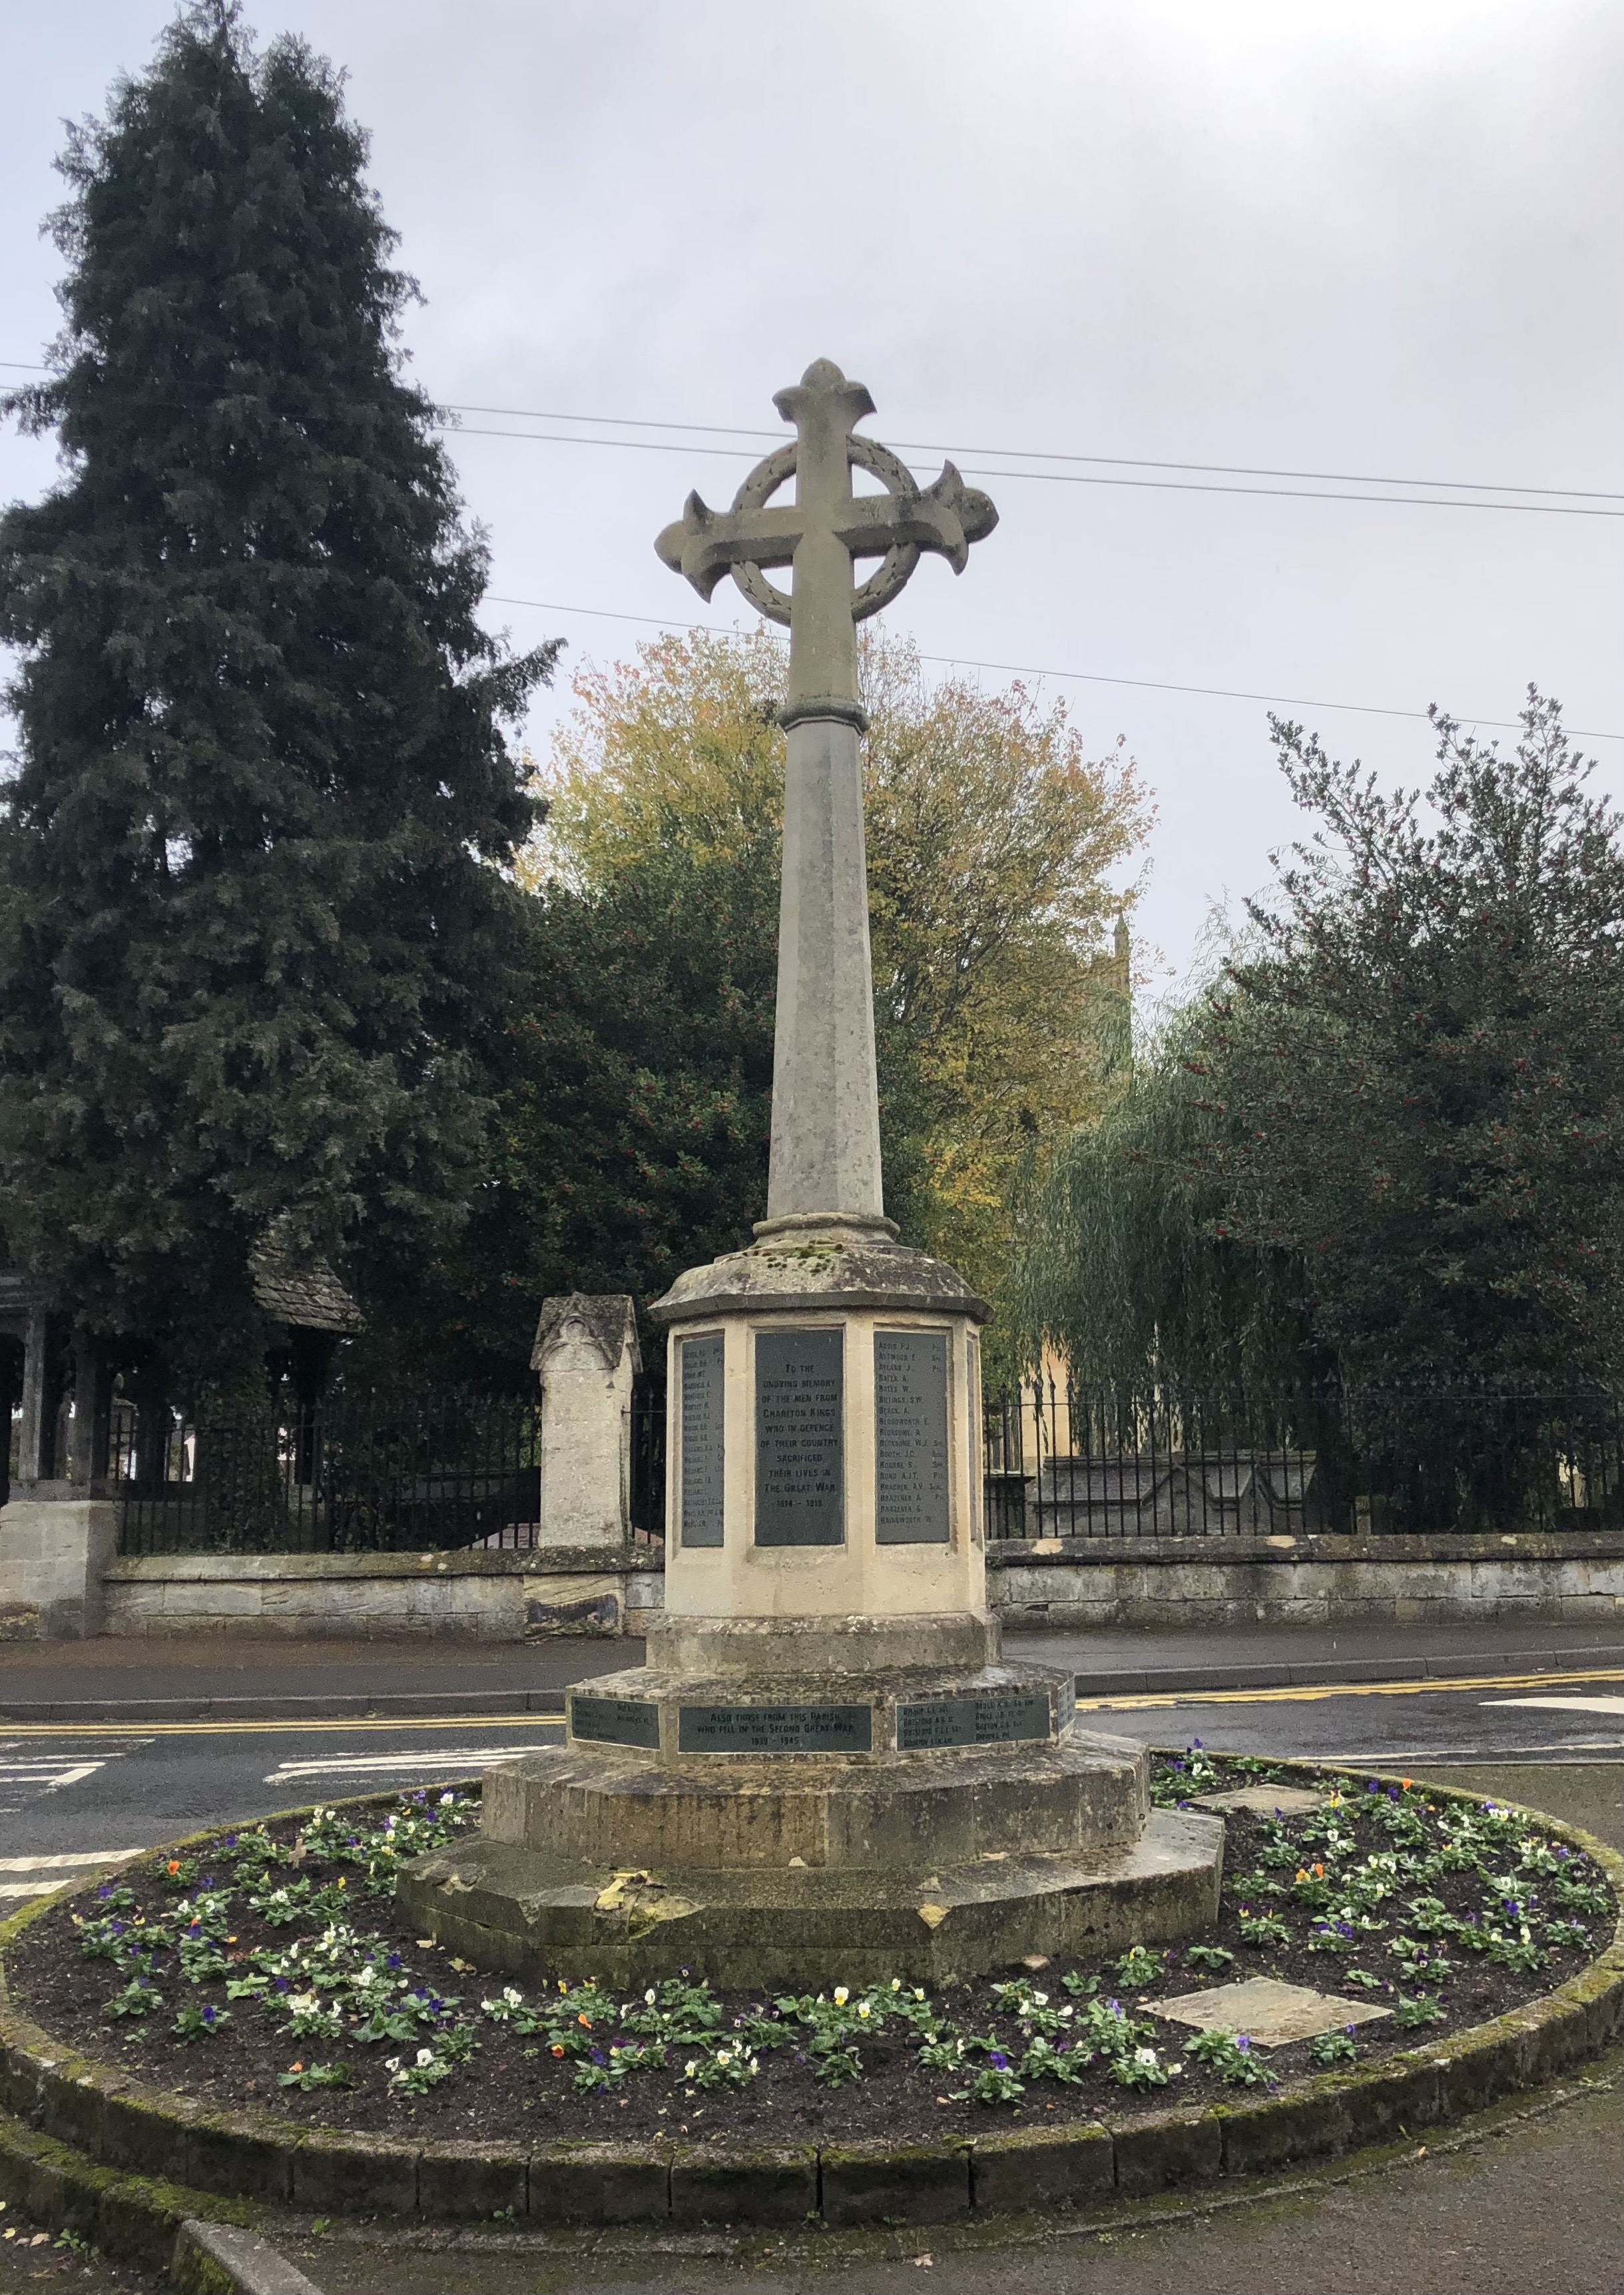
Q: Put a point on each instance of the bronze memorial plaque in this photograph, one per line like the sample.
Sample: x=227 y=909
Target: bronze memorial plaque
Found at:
x=994 y=1720
x=911 y=1495
x=702 y=1456
x=775 y=1729
x=800 y=1439
x=615 y=1721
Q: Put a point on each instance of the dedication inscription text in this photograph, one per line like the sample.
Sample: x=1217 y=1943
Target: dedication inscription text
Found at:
x=775 y=1728
x=800 y=1445
x=971 y=1720
x=911 y=1506
x=702 y=1441
x=615 y=1721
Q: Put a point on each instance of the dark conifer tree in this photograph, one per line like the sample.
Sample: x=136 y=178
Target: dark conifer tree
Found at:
x=251 y=929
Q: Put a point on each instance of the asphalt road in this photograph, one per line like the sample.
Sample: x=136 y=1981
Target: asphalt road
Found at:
x=75 y=1791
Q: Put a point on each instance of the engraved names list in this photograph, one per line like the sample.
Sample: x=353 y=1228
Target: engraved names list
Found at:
x=800 y=1439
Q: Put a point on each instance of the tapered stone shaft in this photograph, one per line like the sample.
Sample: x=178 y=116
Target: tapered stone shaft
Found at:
x=825 y=1105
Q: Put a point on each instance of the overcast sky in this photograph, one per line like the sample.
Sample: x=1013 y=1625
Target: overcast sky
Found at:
x=1374 y=237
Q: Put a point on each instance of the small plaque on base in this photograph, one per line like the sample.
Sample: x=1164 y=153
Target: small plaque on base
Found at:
x=775 y=1729
x=615 y=1721
x=991 y=1720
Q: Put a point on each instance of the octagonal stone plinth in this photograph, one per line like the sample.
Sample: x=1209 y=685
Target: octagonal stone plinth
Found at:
x=510 y=1908
x=630 y=1863
x=1081 y=1798
x=863 y=1718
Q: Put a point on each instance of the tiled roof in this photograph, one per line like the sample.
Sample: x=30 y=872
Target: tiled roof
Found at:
x=301 y=1290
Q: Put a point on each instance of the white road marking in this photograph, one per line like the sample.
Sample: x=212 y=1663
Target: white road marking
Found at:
x=50 y=1774
x=66 y=1859
x=1562 y=1704
x=37 y=1770
x=64 y=1869
x=435 y=1762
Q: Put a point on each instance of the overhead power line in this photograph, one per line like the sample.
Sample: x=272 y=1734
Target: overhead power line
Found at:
x=1081 y=676
x=1067 y=477
x=1043 y=454
x=1562 y=501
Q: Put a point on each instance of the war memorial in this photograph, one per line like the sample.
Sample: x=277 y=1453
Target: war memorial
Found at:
x=824 y=1770
x=825 y=1916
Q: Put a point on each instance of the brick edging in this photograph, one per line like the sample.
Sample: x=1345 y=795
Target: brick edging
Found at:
x=91 y=2119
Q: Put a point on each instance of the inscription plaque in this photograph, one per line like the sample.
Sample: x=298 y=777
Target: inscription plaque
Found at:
x=800 y=1439
x=994 y=1720
x=775 y=1728
x=910 y=1498
x=615 y=1721
x=703 y=1455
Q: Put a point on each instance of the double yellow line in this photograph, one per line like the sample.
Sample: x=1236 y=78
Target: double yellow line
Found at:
x=1313 y=1693
x=1316 y=1694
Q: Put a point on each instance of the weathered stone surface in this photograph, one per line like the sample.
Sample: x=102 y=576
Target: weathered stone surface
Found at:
x=471 y=2182
x=1264 y=1800
x=514 y=1909
x=825 y=1156
x=1274 y=2129
x=683 y=1715
x=1314 y=1579
x=1077 y=1796
x=1270 y=2013
x=1169 y=2147
x=768 y=1646
x=880 y=2183
x=476 y=1595
x=719 y=2185
x=586 y=1357
x=598 y=2184
x=843 y=1267
x=1042 y=2168
x=55 y=1554
x=354 y=2175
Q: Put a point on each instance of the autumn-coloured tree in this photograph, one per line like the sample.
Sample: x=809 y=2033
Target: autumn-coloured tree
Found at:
x=992 y=843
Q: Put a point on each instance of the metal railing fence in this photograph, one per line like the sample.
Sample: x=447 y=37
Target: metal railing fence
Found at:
x=354 y=1473
x=1064 y=1460
x=374 y=1473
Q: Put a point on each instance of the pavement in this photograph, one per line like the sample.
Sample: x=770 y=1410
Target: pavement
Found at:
x=1519 y=2200
x=210 y=1676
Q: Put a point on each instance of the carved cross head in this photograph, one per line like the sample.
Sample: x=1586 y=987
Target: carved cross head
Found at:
x=820 y=534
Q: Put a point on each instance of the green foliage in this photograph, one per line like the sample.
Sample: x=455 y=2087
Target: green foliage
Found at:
x=307 y=2077
x=1129 y=1261
x=1410 y=2013
x=635 y=1089
x=1209 y=1959
x=1388 y=1142
x=200 y=2023
x=1430 y=1112
x=249 y=938
x=1230 y=2055
x=1328 y=2048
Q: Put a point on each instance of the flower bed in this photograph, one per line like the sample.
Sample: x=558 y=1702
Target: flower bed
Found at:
x=264 y=1968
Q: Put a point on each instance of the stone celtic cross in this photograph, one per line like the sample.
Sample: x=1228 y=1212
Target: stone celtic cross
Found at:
x=822 y=533
x=825 y=1164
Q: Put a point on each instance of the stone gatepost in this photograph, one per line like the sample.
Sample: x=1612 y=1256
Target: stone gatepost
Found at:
x=59 y=1528
x=586 y=1357
x=825 y=1772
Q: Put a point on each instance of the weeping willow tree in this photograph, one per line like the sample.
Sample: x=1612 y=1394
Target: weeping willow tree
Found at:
x=1132 y=1268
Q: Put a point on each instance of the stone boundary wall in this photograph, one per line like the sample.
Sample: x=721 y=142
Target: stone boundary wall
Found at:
x=1312 y=1581
x=475 y=1594
x=511 y=1595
